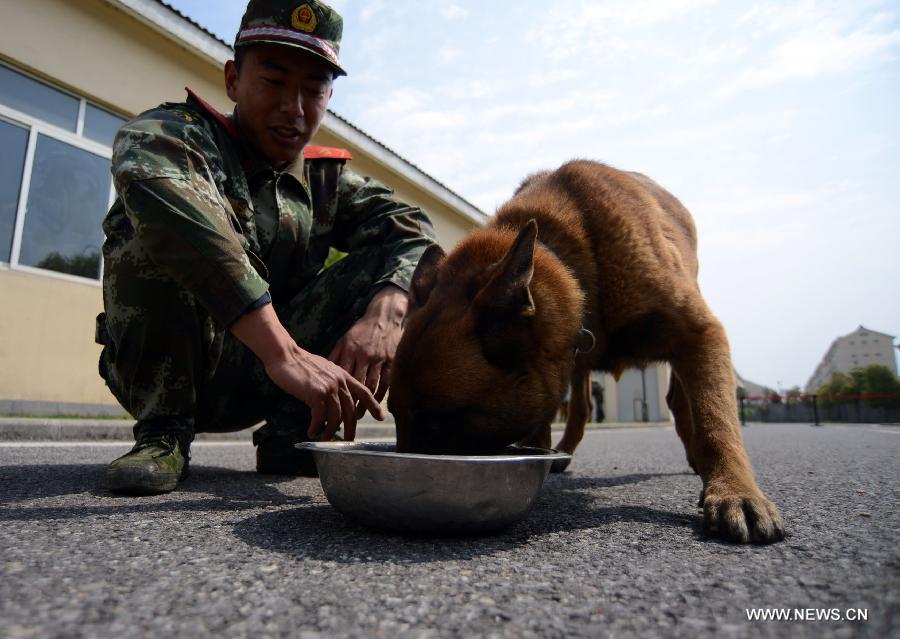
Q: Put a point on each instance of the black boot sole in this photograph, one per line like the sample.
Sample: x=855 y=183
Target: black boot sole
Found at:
x=130 y=481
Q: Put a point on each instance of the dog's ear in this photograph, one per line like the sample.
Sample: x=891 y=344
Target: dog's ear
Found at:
x=505 y=305
x=425 y=276
x=507 y=289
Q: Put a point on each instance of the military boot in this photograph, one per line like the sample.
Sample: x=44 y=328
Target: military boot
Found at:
x=277 y=455
x=158 y=461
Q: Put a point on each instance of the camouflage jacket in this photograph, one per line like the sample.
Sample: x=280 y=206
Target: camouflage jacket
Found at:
x=229 y=228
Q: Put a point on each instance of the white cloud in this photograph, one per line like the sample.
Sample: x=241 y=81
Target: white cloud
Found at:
x=448 y=53
x=756 y=203
x=588 y=30
x=338 y=5
x=811 y=54
x=454 y=11
x=371 y=9
x=818 y=42
x=408 y=110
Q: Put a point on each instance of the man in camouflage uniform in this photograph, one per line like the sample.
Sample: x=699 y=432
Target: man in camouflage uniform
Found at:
x=219 y=311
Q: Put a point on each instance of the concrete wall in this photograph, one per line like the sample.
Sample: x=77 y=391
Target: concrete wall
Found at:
x=47 y=350
x=98 y=50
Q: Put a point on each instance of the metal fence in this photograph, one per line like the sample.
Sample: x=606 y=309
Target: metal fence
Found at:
x=872 y=408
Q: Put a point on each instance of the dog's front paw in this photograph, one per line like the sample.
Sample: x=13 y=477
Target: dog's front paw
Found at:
x=742 y=518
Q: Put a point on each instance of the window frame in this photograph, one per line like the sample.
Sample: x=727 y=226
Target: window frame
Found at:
x=36 y=127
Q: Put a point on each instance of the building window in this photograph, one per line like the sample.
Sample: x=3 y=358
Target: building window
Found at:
x=55 y=182
x=13 y=141
x=38 y=99
x=100 y=125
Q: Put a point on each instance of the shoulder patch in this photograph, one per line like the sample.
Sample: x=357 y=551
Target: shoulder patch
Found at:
x=219 y=117
x=184 y=115
x=167 y=115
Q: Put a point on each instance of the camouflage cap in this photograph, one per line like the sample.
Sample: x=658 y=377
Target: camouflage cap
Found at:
x=309 y=25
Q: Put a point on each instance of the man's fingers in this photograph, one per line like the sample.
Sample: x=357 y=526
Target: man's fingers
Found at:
x=346 y=361
x=317 y=417
x=348 y=414
x=333 y=420
x=372 y=376
x=361 y=371
x=366 y=399
x=344 y=357
x=384 y=381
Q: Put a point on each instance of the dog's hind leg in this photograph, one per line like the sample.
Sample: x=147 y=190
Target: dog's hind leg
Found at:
x=681 y=411
x=579 y=412
x=734 y=507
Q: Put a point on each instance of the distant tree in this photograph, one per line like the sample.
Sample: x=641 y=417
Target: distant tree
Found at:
x=879 y=379
x=793 y=394
x=874 y=379
x=839 y=385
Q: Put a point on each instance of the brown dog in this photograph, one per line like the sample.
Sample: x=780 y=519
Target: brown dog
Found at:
x=496 y=329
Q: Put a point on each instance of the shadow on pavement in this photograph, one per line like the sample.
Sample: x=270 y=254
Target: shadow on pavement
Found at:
x=207 y=488
x=321 y=532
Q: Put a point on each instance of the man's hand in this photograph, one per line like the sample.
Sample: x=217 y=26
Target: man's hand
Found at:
x=331 y=393
x=367 y=350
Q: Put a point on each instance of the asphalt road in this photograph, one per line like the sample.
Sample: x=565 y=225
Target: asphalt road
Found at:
x=613 y=548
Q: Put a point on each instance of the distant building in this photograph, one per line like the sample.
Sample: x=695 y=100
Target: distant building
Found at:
x=858 y=349
x=639 y=393
x=751 y=389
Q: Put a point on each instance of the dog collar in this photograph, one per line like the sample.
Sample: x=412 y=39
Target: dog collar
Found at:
x=585 y=341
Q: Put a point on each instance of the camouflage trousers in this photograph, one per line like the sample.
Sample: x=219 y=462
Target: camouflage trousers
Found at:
x=171 y=366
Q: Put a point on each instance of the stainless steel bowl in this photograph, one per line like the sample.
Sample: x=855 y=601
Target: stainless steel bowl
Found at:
x=434 y=494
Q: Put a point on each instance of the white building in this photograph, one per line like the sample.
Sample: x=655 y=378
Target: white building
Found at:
x=639 y=395
x=858 y=349
x=751 y=389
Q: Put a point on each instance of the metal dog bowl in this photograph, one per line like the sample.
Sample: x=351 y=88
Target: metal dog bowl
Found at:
x=435 y=494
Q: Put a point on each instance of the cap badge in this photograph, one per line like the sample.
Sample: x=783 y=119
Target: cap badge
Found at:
x=304 y=18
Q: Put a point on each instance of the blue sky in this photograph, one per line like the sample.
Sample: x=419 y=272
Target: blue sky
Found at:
x=776 y=123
